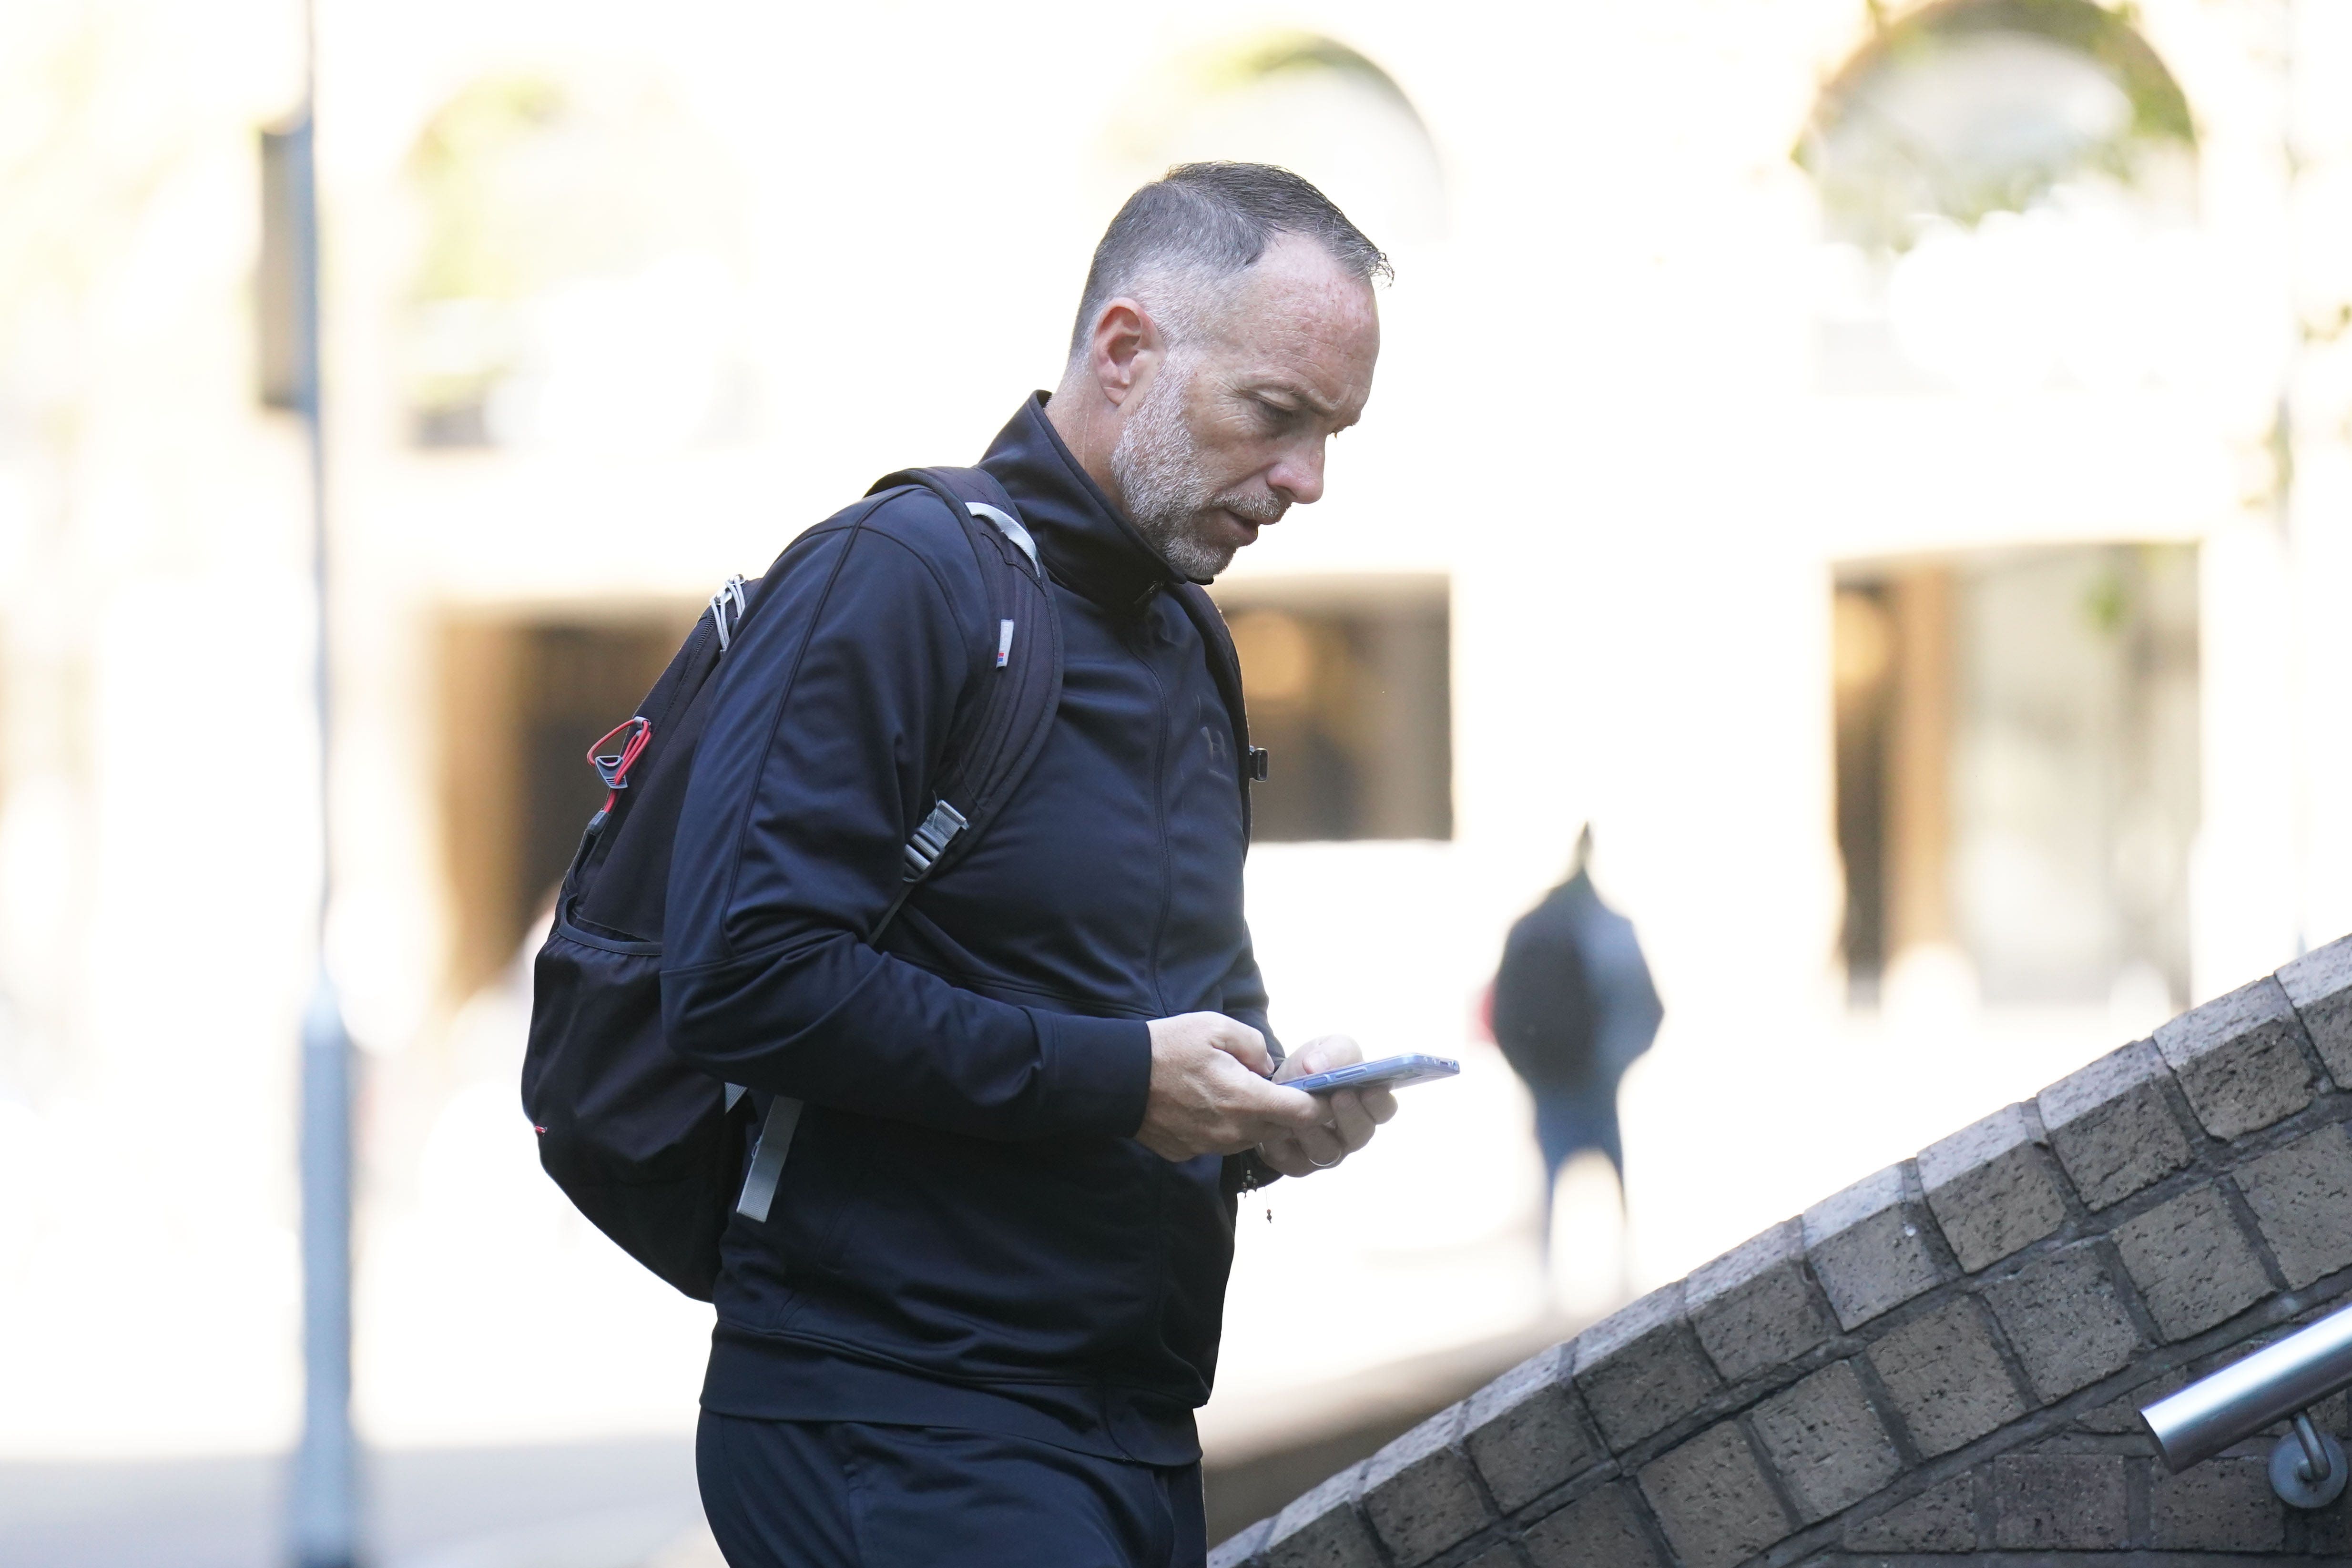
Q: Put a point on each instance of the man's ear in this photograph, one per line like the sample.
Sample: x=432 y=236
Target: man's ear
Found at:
x=1122 y=349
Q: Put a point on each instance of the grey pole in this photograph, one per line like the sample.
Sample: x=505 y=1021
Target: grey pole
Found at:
x=323 y=1502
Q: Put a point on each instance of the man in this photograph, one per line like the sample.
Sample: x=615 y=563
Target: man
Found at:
x=987 y=1299
x=1572 y=1007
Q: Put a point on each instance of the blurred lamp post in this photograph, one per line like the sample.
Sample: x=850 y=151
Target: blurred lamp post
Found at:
x=323 y=1504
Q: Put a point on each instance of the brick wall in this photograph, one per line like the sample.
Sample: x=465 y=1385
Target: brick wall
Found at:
x=1945 y=1358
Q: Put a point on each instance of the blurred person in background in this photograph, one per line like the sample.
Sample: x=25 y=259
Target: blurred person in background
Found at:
x=975 y=1327
x=1572 y=1007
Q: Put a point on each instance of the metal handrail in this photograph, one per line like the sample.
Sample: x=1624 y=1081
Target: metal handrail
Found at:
x=2279 y=1382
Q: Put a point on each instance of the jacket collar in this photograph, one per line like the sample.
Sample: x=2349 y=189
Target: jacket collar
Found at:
x=1088 y=545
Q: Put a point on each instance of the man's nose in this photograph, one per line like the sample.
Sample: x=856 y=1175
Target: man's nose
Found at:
x=1298 y=477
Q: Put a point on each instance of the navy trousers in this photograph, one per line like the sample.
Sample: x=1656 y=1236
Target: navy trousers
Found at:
x=842 y=1494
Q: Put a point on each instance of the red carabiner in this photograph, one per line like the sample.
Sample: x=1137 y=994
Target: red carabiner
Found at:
x=613 y=767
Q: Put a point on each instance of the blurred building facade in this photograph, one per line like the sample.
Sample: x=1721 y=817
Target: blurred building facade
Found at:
x=1886 y=465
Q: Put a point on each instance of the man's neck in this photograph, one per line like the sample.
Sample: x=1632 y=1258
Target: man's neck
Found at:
x=1088 y=427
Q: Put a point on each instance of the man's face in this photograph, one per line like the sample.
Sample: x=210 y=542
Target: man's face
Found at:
x=1229 y=431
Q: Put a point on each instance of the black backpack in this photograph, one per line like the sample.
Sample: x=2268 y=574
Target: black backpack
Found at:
x=648 y=1147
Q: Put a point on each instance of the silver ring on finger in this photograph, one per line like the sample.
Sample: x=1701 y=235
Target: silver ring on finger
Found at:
x=1324 y=1164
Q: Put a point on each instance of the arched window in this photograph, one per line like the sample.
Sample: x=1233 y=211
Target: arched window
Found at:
x=2007 y=190
x=577 y=283
x=1312 y=106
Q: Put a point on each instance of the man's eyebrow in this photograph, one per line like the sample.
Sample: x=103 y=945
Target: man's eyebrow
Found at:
x=1305 y=394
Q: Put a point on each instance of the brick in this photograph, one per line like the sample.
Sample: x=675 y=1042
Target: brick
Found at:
x=1601 y=1529
x=2239 y=1058
x=2058 y=1502
x=1755 y=1307
x=1323 y=1530
x=2319 y=984
x=1946 y=1378
x=2063 y=1318
x=1525 y=1433
x=1418 y=1493
x=1241 y=1550
x=1992 y=1188
x=1869 y=1248
x=2111 y=1126
x=1641 y=1370
x=2193 y=1265
x=2301 y=1196
x=1941 y=1519
x=2222 y=1505
x=1713 y=1501
x=1826 y=1442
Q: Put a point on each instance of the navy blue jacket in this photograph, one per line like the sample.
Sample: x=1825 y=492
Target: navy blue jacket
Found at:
x=967 y=1233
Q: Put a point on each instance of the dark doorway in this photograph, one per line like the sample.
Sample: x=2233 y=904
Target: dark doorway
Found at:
x=1349 y=682
x=523 y=697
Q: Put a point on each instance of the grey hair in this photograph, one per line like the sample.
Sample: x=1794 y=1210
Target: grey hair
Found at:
x=1202 y=223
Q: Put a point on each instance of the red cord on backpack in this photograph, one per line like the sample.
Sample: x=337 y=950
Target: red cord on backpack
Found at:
x=614 y=767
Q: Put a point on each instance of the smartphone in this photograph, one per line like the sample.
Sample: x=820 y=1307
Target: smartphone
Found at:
x=1389 y=1072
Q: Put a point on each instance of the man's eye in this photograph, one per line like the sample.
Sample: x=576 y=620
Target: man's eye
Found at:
x=1273 y=417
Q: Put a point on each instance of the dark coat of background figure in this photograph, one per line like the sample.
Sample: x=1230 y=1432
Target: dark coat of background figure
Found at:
x=1573 y=1008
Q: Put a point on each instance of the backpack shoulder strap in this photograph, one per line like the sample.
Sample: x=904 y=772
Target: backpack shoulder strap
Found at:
x=991 y=748
x=1225 y=669
x=997 y=738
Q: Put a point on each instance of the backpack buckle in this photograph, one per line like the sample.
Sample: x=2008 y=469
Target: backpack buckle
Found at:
x=1261 y=763
x=923 y=849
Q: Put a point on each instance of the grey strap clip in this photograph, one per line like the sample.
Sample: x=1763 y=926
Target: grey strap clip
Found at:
x=943 y=824
x=729 y=599
x=768 y=1158
x=1008 y=526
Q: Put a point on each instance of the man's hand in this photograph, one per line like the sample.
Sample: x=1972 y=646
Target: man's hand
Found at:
x=1347 y=1116
x=1210 y=1092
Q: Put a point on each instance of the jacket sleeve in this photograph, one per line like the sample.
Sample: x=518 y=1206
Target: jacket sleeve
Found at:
x=1242 y=998
x=832 y=712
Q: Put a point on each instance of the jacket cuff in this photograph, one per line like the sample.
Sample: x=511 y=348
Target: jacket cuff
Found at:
x=1098 y=1071
x=1246 y=1173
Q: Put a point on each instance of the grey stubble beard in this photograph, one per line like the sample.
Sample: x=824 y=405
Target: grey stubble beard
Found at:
x=1157 y=463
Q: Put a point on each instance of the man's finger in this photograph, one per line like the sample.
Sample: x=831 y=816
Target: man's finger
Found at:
x=1289 y=1107
x=1245 y=1045
x=1286 y=1157
x=1297 y=1108
x=1321 y=1054
x=1323 y=1147
x=1264 y=1109
x=1379 y=1104
x=1351 y=1120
